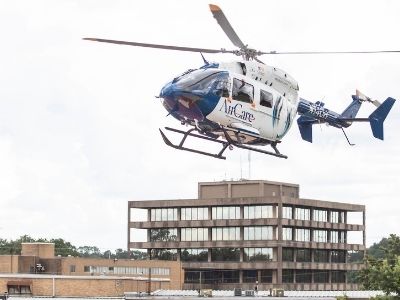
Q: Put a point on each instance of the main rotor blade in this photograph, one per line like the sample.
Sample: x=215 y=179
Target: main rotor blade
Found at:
x=329 y=52
x=189 y=49
x=226 y=26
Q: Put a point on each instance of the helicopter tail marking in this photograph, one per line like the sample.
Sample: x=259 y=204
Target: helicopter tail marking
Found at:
x=377 y=118
x=305 y=126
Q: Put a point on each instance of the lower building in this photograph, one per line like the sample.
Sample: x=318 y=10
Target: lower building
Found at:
x=38 y=272
x=253 y=235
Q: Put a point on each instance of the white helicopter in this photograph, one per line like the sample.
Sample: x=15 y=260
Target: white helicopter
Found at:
x=248 y=103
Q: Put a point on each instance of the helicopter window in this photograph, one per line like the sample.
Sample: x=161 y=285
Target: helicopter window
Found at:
x=221 y=86
x=204 y=80
x=266 y=98
x=242 y=91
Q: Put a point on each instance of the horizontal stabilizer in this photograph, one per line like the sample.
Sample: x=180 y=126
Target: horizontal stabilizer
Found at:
x=305 y=127
x=377 y=118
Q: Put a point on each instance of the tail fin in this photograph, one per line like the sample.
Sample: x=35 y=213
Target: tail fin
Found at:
x=305 y=126
x=377 y=118
x=352 y=110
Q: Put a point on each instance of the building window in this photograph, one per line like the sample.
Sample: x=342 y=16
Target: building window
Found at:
x=334 y=236
x=266 y=276
x=225 y=212
x=303 y=276
x=141 y=271
x=258 y=233
x=321 y=256
x=320 y=215
x=96 y=269
x=192 y=276
x=194 y=234
x=338 y=276
x=337 y=236
x=225 y=254
x=342 y=237
x=163 y=235
x=164 y=214
x=258 y=254
x=250 y=276
x=337 y=216
x=338 y=256
x=287 y=233
x=18 y=289
x=321 y=276
x=163 y=254
x=287 y=276
x=302 y=235
x=160 y=271
x=303 y=255
x=334 y=216
x=194 y=213
x=320 y=236
x=287 y=254
x=72 y=268
x=287 y=212
x=225 y=233
x=302 y=213
x=258 y=212
x=194 y=254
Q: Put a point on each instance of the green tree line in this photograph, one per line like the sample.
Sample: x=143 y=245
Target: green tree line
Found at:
x=382 y=267
x=65 y=248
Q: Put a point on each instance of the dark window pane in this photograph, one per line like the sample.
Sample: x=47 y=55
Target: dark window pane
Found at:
x=321 y=276
x=303 y=255
x=266 y=276
x=287 y=276
x=287 y=254
x=249 y=275
x=303 y=276
x=163 y=254
x=225 y=254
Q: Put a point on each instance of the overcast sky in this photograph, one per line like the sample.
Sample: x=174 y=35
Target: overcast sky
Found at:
x=79 y=120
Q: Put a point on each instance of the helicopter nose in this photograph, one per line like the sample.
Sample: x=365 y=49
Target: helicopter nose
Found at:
x=181 y=103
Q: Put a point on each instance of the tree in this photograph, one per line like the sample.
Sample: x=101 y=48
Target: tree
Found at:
x=89 y=251
x=384 y=274
x=64 y=248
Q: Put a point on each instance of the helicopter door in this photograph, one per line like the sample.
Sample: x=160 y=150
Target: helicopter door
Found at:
x=266 y=104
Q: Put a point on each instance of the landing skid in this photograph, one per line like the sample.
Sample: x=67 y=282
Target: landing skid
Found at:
x=225 y=144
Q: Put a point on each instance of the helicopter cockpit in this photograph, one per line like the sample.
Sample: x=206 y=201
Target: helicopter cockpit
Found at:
x=204 y=81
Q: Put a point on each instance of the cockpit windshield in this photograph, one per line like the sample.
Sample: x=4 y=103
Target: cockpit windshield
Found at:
x=203 y=80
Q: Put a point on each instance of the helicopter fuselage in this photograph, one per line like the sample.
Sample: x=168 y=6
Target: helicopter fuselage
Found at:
x=257 y=100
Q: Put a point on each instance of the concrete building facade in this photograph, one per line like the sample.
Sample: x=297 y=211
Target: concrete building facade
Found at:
x=251 y=234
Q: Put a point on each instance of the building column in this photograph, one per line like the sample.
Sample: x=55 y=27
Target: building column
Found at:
x=279 y=248
x=240 y=276
x=364 y=235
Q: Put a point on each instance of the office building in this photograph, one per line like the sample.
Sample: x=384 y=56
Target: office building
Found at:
x=252 y=234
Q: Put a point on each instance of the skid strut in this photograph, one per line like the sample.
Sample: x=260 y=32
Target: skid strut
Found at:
x=225 y=144
x=189 y=133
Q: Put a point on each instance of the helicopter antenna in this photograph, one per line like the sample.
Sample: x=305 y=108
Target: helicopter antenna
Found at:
x=204 y=59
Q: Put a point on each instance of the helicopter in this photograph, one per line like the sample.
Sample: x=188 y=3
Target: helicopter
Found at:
x=247 y=104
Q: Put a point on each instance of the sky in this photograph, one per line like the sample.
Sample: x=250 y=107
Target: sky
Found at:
x=79 y=120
